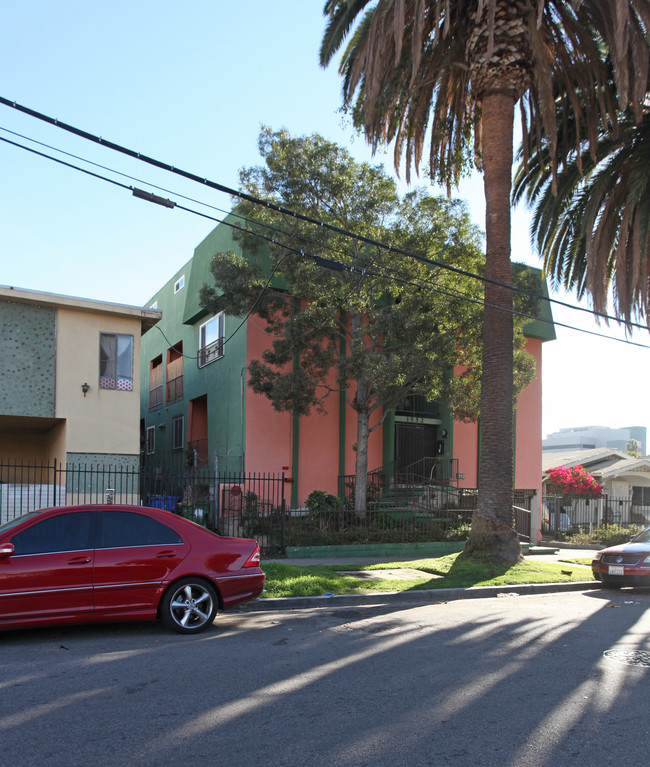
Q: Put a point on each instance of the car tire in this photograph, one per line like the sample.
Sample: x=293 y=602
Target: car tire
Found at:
x=608 y=583
x=189 y=606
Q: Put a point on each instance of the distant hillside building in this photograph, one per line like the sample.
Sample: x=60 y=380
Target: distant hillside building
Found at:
x=589 y=437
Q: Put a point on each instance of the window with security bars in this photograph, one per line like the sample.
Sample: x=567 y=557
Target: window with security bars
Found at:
x=174 y=373
x=211 y=340
x=155 y=383
x=115 y=361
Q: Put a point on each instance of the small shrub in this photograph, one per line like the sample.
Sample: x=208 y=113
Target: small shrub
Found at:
x=460 y=533
x=319 y=500
x=609 y=535
x=250 y=517
x=373 y=493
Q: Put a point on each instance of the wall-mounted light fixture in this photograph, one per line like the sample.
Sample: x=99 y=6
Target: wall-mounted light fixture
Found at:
x=84 y=388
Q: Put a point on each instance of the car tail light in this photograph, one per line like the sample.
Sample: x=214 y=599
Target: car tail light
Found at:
x=254 y=559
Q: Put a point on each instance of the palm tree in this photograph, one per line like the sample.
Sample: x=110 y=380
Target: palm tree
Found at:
x=594 y=231
x=447 y=71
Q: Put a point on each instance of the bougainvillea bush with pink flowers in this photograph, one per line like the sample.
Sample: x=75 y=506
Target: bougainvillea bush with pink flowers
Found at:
x=575 y=482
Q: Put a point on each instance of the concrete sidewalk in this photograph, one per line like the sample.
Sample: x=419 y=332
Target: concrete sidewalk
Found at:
x=556 y=556
x=423 y=596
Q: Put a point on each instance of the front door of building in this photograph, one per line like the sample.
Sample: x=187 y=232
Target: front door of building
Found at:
x=413 y=443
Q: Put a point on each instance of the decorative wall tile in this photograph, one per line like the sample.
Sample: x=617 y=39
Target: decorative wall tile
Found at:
x=27 y=359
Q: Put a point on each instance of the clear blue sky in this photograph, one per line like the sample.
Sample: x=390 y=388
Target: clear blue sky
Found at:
x=190 y=85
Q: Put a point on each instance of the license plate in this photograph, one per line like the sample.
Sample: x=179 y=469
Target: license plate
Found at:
x=616 y=570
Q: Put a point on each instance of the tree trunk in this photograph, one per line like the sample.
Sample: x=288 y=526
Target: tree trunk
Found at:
x=361 y=460
x=492 y=533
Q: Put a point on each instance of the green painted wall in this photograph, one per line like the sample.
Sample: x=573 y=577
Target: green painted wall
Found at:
x=27 y=360
x=222 y=381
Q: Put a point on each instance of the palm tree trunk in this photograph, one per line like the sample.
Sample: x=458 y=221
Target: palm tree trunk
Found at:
x=492 y=530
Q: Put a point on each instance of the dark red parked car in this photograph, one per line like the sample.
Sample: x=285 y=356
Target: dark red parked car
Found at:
x=627 y=564
x=80 y=564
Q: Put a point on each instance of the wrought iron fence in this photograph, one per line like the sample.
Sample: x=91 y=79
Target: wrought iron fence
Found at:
x=394 y=517
x=428 y=483
x=345 y=526
x=563 y=516
x=244 y=505
x=26 y=486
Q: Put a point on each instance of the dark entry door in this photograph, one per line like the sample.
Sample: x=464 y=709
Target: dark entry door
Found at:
x=413 y=442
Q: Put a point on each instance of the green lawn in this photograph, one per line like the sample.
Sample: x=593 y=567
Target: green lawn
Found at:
x=457 y=571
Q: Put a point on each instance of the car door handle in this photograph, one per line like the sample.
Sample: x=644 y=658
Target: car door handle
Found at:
x=165 y=554
x=79 y=561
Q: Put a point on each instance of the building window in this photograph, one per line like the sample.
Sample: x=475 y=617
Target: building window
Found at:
x=640 y=496
x=174 y=373
x=180 y=282
x=178 y=427
x=156 y=383
x=115 y=361
x=211 y=337
x=151 y=440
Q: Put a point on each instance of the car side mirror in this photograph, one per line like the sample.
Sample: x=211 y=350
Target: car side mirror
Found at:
x=6 y=549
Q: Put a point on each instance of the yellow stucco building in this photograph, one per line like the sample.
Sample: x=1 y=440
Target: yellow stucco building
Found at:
x=69 y=382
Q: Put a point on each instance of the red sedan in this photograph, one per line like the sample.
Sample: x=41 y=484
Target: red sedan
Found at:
x=627 y=564
x=80 y=564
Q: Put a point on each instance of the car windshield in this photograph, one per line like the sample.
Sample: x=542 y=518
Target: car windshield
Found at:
x=17 y=520
x=643 y=537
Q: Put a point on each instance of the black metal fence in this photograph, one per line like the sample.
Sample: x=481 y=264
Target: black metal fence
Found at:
x=345 y=526
x=414 y=485
x=567 y=516
x=242 y=505
x=401 y=518
x=245 y=505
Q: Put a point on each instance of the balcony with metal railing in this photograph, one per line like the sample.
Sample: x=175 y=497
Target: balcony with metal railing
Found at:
x=210 y=353
x=155 y=397
x=174 y=389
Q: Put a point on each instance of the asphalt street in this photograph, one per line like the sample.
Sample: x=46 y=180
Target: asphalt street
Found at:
x=512 y=681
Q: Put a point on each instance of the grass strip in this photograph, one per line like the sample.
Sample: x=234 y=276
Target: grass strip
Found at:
x=452 y=571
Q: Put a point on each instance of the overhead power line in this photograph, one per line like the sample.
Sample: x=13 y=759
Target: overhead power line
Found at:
x=286 y=211
x=325 y=263
x=280 y=209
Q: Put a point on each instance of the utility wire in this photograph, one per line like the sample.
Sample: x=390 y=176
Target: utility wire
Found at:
x=143 y=195
x=319 y=260
x=286 y=211
x=234 y=213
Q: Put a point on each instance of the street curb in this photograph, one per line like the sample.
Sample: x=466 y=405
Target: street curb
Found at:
x=424 y=596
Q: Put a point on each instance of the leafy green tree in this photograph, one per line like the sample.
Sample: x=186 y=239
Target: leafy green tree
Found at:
x=448 y=73
x=344 y=316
